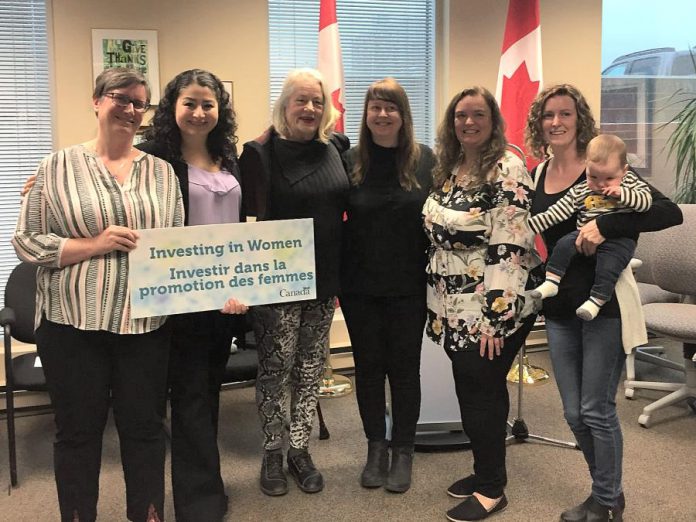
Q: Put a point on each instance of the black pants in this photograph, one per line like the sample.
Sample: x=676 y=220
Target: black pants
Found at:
x=85 y=372
x=200 y=349
x=386 y=334
x=484 y=402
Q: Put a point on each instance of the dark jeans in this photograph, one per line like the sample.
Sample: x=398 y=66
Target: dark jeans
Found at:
x=484 y=401
x=588 y=358
x=386 y=334
x=86 y=371
x=612 y=257
x=200 y=349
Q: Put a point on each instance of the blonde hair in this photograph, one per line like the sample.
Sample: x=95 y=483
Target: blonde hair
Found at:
x=601 y=147
x=328 y=117
x=407 y=150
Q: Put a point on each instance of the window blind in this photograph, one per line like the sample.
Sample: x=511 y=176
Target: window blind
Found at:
x=25 y=111
x=378 y=39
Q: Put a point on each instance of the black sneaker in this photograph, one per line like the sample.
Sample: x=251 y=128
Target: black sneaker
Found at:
x=463 y=488
x=307 y=476
x=471 y=509
x=273 y=480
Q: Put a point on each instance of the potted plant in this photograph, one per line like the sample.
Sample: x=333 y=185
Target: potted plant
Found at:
x=682 y=144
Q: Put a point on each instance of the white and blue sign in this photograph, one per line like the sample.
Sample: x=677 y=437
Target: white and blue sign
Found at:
x=192 y=269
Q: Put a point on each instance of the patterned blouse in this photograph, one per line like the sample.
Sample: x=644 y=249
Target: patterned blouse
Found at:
x=480 y=256
x=75 y=196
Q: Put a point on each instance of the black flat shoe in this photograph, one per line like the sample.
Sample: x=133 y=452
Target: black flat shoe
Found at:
x=463 y=488
x=471 y=509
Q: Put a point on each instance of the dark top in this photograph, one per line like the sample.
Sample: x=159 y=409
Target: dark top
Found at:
x=575 y=285
x=384 y=246
x=181 y=171
x=284 y=179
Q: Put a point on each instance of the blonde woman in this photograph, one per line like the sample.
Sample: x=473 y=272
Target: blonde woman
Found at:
x=295 y=171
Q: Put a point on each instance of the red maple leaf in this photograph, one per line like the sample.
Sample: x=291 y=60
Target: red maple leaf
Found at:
x=517 y=95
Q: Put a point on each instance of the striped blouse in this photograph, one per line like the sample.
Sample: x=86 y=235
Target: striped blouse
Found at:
x=635 y=197
x=75 y=196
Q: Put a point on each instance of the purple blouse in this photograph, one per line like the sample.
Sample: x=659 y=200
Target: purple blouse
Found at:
x=214 y=197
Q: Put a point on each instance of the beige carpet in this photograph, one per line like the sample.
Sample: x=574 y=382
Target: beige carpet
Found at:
x=660 y=467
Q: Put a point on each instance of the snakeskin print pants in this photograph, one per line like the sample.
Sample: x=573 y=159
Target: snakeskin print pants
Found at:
x=291 y=339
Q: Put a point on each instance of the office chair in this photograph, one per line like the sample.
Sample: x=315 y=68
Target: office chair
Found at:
x=645 y=257
x=23 y=372
x=673 y=270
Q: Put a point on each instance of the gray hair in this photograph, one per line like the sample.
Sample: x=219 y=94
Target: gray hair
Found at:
x=329 y=116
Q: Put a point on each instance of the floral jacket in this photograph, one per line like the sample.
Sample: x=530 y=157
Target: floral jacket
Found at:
x=480 y=258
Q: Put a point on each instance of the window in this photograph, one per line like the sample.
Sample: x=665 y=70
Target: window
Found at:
x=378 y=39
x=645 y=67
x=616 y=70
x=646 y=62
x=683 y=65
x=25 y=110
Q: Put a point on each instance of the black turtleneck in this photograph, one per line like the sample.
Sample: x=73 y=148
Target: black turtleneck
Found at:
x=384 y=246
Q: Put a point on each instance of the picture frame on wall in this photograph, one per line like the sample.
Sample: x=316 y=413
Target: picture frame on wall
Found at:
x=134 y=48
x=229 y=87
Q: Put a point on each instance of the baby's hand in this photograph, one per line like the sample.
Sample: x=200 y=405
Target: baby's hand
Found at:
x=614 y=192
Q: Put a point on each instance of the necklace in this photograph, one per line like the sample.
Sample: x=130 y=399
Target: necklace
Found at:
x=115 y=172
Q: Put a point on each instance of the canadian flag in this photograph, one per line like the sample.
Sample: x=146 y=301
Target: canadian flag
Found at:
x=519 y=75
x=330 y=61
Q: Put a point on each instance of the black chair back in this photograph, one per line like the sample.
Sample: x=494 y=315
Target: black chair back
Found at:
x=20 y=295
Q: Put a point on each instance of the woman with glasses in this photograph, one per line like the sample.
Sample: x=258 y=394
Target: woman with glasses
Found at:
x=383 y=278
x=294 y=170
x=194 y=130
x=78 y=222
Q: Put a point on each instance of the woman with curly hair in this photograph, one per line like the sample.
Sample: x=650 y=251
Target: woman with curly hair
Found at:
x=478 y=270
x=588 y=357
x=194 y=130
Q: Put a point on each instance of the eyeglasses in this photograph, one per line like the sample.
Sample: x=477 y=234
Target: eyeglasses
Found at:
x=124 y=101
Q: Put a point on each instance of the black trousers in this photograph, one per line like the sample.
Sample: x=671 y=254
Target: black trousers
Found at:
x=86 y=371
x=386 y=334
x=484 y=402
x=200 y=349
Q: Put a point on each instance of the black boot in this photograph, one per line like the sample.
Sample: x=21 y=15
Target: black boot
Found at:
x=304 y=472
x=591 y=510
x=273 y=481
x=375 y=471
x=599 y=513
x=399 y=479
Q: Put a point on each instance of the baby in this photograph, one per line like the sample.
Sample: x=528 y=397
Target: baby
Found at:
x=609 y=187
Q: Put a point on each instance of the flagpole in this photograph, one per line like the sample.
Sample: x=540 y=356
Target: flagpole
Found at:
x=519 y=81
x=330 y=65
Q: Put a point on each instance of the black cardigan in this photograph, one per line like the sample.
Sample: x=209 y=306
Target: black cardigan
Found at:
x=297 y=188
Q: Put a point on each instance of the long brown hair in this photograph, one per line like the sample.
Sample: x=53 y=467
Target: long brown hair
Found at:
x=534 y=133
x=448 y=150
x=407 y=150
